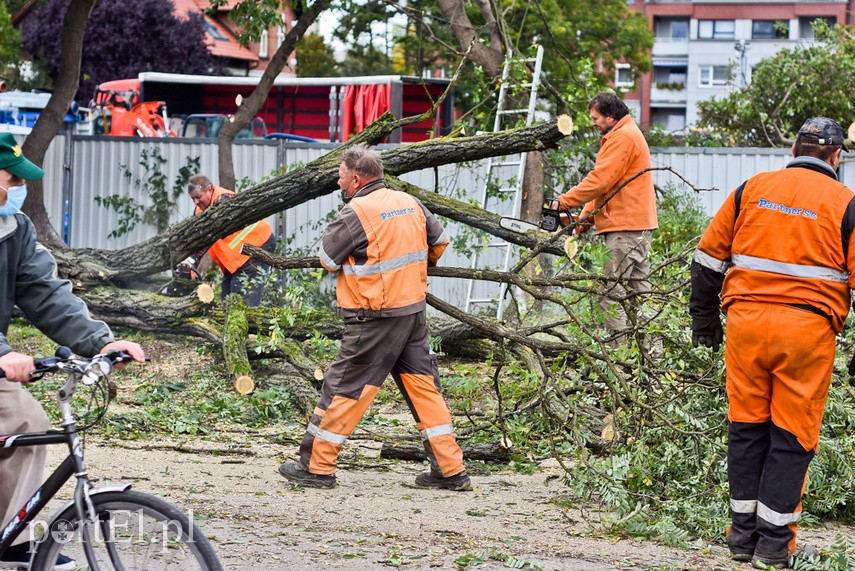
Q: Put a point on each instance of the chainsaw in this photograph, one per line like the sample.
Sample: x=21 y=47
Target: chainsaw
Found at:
x=552 y=220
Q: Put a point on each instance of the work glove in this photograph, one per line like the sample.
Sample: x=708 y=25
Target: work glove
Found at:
x=707 y=331
x=852 y=367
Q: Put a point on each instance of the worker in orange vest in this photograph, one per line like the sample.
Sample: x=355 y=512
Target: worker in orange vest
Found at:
x=241 y=274
x=779 y=260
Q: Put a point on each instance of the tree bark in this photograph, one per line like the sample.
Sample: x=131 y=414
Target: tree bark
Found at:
x=315 y=179
x=50 y=119
x=490 y=58
x=235 y=333
x=412 y=451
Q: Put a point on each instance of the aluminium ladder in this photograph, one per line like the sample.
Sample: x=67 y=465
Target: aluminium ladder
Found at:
x=504 y=175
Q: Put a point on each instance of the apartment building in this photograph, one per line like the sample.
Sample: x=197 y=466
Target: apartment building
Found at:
x=705 y=49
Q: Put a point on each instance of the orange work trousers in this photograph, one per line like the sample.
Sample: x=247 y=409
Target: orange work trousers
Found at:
x=369 y=351
x=779 y=362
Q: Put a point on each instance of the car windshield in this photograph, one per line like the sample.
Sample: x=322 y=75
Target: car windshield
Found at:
x=208 y=127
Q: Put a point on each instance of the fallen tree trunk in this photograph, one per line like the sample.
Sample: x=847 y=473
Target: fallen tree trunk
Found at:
x=315 y=179
x=486 y=451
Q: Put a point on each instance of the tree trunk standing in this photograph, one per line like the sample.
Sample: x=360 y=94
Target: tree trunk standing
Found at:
x=249 y=107
x=315 y=179
x=530 y=208
x=532 y=197
x=50 y=119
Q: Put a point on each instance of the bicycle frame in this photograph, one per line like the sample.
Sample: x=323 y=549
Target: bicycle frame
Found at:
x=72 y=465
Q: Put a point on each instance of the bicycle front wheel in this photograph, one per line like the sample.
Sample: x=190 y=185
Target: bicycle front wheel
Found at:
x=134 y=531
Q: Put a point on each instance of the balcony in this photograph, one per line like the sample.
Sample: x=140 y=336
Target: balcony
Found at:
x=666 y=46
x=668 y=93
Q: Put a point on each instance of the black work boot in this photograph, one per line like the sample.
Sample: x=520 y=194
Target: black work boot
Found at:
x=295 y=472
x=742 y=544
x=458 y=483
x=805 y=552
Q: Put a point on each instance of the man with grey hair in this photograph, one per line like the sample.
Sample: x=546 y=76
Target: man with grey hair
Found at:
x=380 y=245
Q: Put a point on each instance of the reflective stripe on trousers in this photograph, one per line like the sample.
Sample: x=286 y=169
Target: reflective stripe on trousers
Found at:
x=369 y=351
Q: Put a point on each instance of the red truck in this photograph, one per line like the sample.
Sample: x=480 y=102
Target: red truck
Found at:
x=325 y=109
x=117 y=109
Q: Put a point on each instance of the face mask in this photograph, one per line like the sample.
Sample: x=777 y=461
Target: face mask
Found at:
x=15 y=198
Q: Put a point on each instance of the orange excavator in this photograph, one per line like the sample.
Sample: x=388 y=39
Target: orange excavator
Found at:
x=116 y=110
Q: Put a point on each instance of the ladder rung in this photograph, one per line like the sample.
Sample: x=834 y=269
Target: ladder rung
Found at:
x=505 y=164
x=483 y=300
x=509 y=111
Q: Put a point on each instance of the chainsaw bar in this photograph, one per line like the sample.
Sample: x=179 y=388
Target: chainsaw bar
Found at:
x=517 y=225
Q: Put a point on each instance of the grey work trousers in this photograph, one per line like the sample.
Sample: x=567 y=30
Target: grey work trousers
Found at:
x=21 y=469
x=628 y=267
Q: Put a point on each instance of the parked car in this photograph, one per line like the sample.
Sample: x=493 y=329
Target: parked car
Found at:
x=290 y=137
x=208 y=125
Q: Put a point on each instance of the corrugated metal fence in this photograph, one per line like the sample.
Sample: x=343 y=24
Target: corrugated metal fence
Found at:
x=79 y=168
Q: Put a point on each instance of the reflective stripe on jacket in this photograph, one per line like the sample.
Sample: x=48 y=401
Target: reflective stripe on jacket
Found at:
x=782 y=237
x=381 y=244
x=623 y=154
x=226 y=251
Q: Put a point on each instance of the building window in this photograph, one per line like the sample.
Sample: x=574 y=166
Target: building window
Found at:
x=624 y=76
x=671 y=78
x=671 y=29
x=716 y=29
x=714 y=75
x=262 y=43
x=212 y=30
x=806 y=25
x=770 y=30
x=671 y=120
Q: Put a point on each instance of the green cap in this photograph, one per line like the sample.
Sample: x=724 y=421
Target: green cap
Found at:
x=14 y=161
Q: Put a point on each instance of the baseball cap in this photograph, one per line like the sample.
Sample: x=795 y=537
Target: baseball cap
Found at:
x=14 y=161
x=827 y=131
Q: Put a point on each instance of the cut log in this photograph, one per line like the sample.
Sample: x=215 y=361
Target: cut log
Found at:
x=244 y=384
x=487 y=451
x=205 y=293
x=235 y=332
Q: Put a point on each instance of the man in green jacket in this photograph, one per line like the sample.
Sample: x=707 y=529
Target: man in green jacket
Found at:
x=27 y=279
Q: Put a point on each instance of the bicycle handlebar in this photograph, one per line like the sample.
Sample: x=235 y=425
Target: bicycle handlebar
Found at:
x=64 y=359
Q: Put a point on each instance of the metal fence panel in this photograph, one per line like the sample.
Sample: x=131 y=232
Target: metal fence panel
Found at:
x=96 y=169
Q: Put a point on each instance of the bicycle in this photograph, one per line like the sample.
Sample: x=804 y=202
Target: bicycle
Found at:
x=111 y=526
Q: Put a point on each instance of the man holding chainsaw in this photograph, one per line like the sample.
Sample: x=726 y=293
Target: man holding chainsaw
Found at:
x=241 y=274
x=619 y=194
x=779 y=260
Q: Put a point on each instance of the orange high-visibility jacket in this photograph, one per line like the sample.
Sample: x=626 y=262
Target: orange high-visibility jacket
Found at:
x=782 y=237
x=381 y=244
x=226 y=251
x=623 y=154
